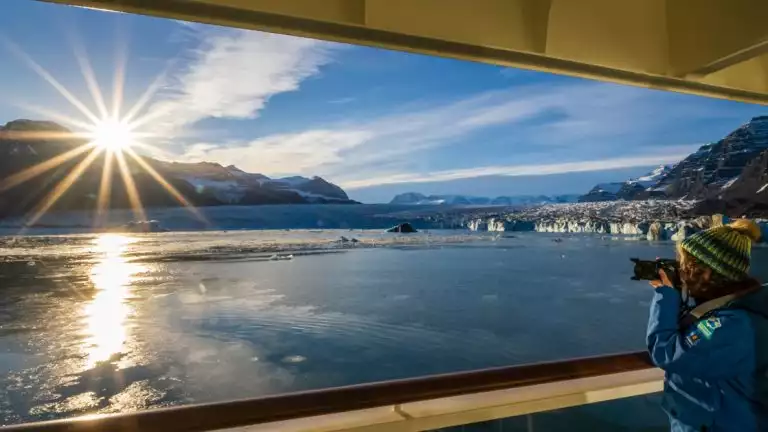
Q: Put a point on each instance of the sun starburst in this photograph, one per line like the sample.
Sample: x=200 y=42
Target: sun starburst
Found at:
x=106 y=134
x=113 y=135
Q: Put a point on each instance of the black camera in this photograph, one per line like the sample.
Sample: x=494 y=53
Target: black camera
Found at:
x=649 y=270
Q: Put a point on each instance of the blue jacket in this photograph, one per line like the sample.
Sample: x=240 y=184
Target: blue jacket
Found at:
x=717 y=369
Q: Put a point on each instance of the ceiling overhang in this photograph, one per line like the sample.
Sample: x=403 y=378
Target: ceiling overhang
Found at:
x=716 y=48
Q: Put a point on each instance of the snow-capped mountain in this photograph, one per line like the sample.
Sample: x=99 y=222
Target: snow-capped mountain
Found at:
x=602 y=192
x=714 y=172
x=409 y=198
x=652 y=177
x=232 y=185
x=26 y=143
x=627 y=190
x=714 y=165
x=415 y=198
x=746 y=194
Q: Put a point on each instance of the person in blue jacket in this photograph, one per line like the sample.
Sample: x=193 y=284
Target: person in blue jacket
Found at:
x=716 y=365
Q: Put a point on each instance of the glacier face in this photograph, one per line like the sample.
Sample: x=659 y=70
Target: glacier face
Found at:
x=652 y=219
x=661 y=219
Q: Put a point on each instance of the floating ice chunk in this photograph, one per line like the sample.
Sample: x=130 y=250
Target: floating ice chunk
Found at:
x=277 y=257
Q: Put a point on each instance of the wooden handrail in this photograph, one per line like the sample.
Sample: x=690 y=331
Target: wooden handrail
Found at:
x=267 y=409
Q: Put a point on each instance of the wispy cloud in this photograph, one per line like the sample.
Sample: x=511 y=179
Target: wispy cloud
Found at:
x=359 y=146
x=282 y=154
x=342 y=101
x=233 y=73
x=587 y=116
x=521 y=170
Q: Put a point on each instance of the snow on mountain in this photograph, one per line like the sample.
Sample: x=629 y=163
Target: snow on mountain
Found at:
x=729 y=183
x=464 y=200
x=415 y=198
x=316 y=187
x=293 y=181
x=629 y=189
x=728 y=176
x=237 y=172
x=602 y=192
x=409 y=198
x=232 y=188
x=652 y=177
x=232 y=185
x=711 y=167
x=745 y=194
x=27 y=143
x=609 y=187
x=227 y=191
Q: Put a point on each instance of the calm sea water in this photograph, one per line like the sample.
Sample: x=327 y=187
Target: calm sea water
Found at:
x=117 y=323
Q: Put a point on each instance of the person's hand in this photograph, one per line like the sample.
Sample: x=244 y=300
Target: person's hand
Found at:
x=662 y=281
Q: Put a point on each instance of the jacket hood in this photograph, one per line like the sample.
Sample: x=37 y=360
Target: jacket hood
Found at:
x=755 y=302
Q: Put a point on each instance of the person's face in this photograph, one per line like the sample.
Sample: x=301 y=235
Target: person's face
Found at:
x=693 y=276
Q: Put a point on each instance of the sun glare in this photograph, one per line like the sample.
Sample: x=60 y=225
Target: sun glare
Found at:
x=106 y=314
x=113 y=135
x=106 y=133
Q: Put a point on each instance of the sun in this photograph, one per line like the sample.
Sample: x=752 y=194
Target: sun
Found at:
x=106 y=133
x=113 y=135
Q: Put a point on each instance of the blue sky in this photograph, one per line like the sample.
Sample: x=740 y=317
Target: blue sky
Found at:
x=375 y=122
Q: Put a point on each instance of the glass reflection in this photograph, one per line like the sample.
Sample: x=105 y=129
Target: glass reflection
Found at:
x=106 y=313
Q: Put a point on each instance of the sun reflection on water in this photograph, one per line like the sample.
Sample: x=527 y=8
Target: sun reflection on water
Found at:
x=106 y=313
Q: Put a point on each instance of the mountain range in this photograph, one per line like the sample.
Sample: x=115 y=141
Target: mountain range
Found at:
x=25 y=144
x=728 y=176
x=415 y=198
x=630 y=189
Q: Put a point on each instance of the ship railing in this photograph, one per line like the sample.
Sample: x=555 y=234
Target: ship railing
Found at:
x=414 y=404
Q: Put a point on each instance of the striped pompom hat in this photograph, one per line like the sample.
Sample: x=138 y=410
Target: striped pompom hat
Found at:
x=725 y=249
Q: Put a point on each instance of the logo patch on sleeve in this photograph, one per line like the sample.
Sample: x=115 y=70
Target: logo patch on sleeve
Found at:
x=708 y=326
x=703 y=330
x=692 y=338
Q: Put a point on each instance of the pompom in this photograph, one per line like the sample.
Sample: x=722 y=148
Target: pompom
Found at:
x=747 y=228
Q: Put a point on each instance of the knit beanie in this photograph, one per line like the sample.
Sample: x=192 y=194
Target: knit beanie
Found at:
x=725 y=249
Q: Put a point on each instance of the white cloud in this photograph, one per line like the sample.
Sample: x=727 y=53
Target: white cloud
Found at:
x=520 y=170
x=584 y=114
x=282 y=154
x=359 y=146
x=587 y=115
x=233 y=73
x=342 y=101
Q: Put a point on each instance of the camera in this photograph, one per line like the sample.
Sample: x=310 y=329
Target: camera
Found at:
x=649 y=270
